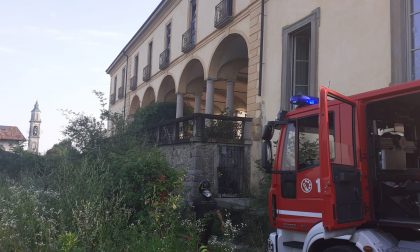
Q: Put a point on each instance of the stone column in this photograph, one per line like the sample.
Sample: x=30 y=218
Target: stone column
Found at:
x=209 y=96
x=179 y=105
x=229 y=98
x=197 y=103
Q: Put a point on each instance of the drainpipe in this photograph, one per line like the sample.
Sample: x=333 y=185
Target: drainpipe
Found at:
x=261 y=45
x=126 y=82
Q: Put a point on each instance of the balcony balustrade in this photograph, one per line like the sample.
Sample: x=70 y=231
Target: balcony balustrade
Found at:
x=146 y=72
x=133 y=83
x=188 y=40
x=202 y=128
x=223 y=13
x=120 y=92
x=164 y=59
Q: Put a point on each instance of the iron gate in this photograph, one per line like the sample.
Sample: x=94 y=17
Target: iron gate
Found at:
x=231 y=172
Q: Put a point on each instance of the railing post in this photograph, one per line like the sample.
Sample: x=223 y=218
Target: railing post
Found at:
x=246 y=131
x=176 y=132
x=158 y=136
x=202 y=127
x=195 y=134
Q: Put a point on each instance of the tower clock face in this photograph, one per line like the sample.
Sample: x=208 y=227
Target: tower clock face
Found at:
x=35 y=131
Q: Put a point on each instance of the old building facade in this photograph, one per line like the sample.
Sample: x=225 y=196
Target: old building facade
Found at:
x=10 y=137
x=245 y=58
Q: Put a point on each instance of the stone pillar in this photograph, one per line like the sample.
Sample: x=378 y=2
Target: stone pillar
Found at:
x=229 y=98
x=209 y=96
x=197 y=103
x=179 y=105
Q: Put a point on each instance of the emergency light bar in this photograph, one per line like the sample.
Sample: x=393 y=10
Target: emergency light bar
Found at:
x=303 y=100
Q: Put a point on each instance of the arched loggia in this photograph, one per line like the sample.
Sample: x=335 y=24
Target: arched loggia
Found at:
x=229 y=69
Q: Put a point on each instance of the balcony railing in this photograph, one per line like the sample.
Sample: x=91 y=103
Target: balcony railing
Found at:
x=223 y=13
x=146 y=72
x=202 y=128
x=164 y=59
x=112 y=99
x=133 y=83
x=188 y=40
x=120 y=92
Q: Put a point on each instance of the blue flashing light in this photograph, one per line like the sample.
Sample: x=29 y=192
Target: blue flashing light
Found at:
x=303 y=100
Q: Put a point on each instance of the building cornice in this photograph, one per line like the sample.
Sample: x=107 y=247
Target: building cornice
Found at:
x=159 y=9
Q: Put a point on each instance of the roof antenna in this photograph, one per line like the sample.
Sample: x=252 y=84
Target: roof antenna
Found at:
x=329 y=83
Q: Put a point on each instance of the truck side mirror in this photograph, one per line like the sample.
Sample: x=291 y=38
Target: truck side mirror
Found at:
x=268 y=132
x=267 y=156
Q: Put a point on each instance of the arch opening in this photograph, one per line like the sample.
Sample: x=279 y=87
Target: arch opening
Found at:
x=134 y=106
x=229 y=66
x=166 y=91
x=149 y=97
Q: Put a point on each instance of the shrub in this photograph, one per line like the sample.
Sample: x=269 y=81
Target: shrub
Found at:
x=94 y=192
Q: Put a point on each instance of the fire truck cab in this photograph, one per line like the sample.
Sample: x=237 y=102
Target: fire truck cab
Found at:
x=346 y=172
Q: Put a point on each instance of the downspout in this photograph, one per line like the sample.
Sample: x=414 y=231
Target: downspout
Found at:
x=125 y=83
x=261 y=45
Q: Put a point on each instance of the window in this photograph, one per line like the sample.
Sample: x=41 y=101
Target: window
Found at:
x=308 y=141
x=289 y=160
x=136 y=66
x=405 y=40
x=414 y=17
x=301 y=41
x=299 y=60
x=115 y=84
x=302 y=141
x=123 y=77
x=193 y=18
x=149 y=53
x=35 y=131
x=168 y=36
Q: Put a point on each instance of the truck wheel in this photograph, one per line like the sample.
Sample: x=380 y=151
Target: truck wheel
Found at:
x=342 y=248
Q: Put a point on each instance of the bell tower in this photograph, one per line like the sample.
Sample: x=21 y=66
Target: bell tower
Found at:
x=34 y=129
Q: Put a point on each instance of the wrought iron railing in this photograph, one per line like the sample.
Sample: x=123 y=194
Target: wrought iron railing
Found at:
x=164 y=59
x=133 y=83
x=202 y=128
x=146 y=72
x=120 y=92
x=223 y=13
x=188 y=40
x=112 y=99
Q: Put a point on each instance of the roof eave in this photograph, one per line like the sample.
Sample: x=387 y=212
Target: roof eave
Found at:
x=140 y=31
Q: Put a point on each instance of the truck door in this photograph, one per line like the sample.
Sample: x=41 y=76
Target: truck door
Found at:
x=299 y=200
x=340 y=175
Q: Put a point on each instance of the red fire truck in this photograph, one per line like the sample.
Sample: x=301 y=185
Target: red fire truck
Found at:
x=346 y=172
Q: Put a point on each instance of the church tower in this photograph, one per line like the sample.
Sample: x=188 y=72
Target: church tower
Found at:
x=34 y=129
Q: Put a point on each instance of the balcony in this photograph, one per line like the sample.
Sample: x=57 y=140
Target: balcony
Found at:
x=133 y=83
x=202 y=128
x=112 y=99
x=188 y=40
x=164 y=59
x=120 y=92
x=223 y=13
x=146 y=72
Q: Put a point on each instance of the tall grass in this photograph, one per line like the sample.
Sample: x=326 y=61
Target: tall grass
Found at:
x=84 y=206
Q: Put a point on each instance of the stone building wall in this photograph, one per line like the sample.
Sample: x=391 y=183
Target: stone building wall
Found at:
x=200 y=161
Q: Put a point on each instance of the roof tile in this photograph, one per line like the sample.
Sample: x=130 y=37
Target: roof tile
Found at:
x=11 y=133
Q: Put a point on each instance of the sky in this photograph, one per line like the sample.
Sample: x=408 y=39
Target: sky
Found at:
x=56 y=52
